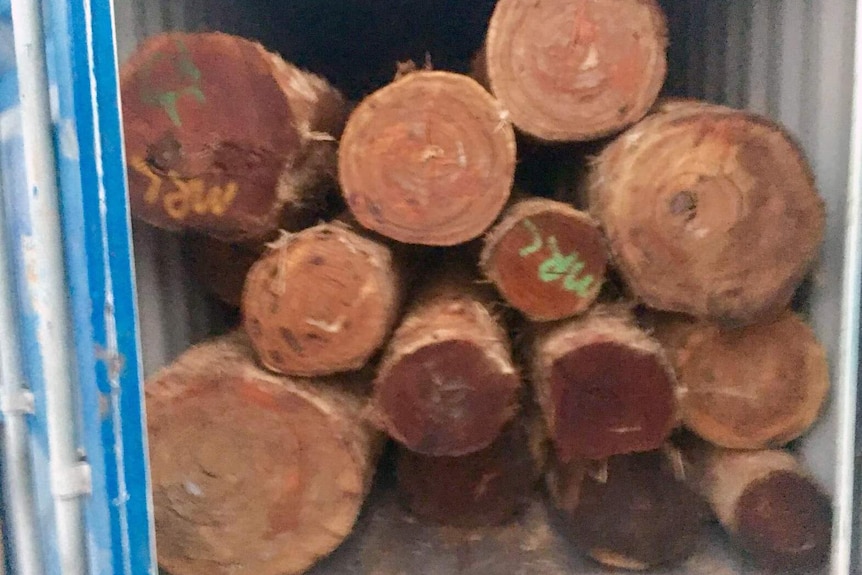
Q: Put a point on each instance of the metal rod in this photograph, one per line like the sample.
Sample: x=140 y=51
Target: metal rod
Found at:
x=46 y=282
x=20 y=500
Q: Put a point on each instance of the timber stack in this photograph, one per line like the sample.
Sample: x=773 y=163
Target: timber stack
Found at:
x=396 y=286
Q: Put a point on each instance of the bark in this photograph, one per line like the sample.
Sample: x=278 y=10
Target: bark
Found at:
x=222 y=136
x=252 y=472
x=446 y=385
x=769 y=506
x=629 y=512
x=321 y=301
x=709 y=211
x=757 y=387
x=605 y=387
x=547 y=259
x=428 y=159
x=575 y=71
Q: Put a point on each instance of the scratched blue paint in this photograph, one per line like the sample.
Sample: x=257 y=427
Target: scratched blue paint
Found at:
x=99 y=272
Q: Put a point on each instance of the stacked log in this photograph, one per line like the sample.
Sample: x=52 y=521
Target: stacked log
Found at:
x=496 y=336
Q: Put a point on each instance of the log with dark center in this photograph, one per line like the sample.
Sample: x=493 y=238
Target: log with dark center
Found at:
x=446 y=385
x=756 y=387
x=709 y=211
x=321 y=301
x=253 y=473
x=222 y=136
x=770 y=507
x=428 y=159
x=571 y=70
x=488 y=487
x=547 y=259
x=629 y=512
x=604 y=386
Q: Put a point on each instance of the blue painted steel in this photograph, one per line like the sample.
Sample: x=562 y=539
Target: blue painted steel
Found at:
x=99 y=271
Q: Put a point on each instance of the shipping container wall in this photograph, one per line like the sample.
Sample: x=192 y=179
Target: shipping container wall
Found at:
x=790 y=59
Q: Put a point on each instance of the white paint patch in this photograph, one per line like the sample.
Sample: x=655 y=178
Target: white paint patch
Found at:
x=329 y=327
x=592 y=59
x=68 y=139
x=193 y=489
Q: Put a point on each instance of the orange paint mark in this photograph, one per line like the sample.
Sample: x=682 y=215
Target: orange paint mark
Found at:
x=191 y=195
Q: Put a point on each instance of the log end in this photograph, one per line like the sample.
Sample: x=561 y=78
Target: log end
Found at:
x=610 y=399
x=754 y=388
x=219 y=267
x=547 y=259
x=785 y=523
x=252 y=472
x=428 y=159
x=576 y=71
x=209 y=134
x=631 y=514
x=700 y=237
x=449 y=398
x=485 y=488
x=321 y=301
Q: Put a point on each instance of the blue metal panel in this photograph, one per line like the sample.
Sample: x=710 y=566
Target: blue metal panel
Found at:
x=99 y=273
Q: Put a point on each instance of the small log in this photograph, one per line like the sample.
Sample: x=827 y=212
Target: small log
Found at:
x=218 y=267
x=753 y=388
x=446 y=385
x=321 y=301
x=604 y=386
x=709 y=211
x=547 y=259
x=769 y=506
x=428 y=159
x=253 y=473
x=575 y=71
x=630 y=511
x=485 y=488
x=222 y=136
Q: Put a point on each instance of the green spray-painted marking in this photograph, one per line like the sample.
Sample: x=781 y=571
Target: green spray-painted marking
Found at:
x=558 y=266
x=167 y=99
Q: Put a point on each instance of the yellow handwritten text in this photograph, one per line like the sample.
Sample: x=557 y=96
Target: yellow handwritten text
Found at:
x=191 y=195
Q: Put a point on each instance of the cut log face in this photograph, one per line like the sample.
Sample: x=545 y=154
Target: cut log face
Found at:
x=770 y=507
x=429 y=159
x=321 y=301
x=484 y=488
x=547 y=259
x=709 y=211
x=446 y=385
x=252 y=473
x=576 y=70
x=629 y=512
x=220 y=134
x=752 y=388
x=604 y=386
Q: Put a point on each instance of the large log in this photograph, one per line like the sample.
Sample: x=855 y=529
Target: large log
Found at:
x=428 y=159
x=605 y=386
x=253 y=473
x=709 y=211
x=222 y=136
x=547 y=259
x=321 y=301
x=485 y=488
x=446 y=385
x=629 y=512
x=768 y=504
x=751 y=388
x=575 y=70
